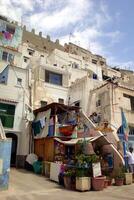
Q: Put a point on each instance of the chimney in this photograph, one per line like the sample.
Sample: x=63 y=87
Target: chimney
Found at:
x=40 y=34
x=16 y=23
x=24 y=27
x=33 y=31
x=48 y=37
x=57 y=41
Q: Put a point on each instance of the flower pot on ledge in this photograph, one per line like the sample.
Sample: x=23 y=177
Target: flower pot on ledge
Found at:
x=83 y=183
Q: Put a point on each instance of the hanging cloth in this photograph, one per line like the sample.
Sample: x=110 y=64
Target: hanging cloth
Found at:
x=36 y=127
x=1 y=35
x=43 y=122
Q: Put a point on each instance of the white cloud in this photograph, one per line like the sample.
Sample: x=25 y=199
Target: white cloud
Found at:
x=73 y=12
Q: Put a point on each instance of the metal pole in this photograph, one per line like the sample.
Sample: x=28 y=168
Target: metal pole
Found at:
x=125 y=153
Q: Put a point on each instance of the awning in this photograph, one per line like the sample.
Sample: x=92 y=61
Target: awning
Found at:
x=100 y=140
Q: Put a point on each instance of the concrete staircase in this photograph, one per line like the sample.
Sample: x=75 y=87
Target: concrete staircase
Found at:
x=111 y=148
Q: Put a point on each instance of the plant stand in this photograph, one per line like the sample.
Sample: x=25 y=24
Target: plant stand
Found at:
x=83 y=183
x=128 y=178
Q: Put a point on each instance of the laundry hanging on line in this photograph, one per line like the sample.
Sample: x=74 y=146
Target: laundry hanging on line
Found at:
x=37 y=126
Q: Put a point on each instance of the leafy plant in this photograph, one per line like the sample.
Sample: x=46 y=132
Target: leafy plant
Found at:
x=81 y=172
x=120 y=173
x=69 y=172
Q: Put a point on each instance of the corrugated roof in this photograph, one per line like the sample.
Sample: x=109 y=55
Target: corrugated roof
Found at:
x=57 y=108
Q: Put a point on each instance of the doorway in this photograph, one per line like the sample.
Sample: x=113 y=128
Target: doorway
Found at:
x=13 y=148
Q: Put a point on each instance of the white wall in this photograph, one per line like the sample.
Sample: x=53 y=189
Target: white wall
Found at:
x=80 y=91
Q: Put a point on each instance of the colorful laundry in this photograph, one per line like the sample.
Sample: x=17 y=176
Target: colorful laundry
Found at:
x=8 y=35
x=36 y=127
x=1 y=35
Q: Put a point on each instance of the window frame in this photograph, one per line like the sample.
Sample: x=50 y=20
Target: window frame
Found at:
x=10 y=29
x=19 y=83
x=50 y=80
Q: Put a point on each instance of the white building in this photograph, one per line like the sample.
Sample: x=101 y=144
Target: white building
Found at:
x=14 y=95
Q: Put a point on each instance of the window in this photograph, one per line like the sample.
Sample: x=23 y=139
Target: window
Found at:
x=54 y=78
x=98 y=103
x=131 y=100
x=101 y=63
x=94 y=76
x=4 y=56
x=131 y=130
x=4 y=75
x=10 y=57
x=43 y=103
x=7 y=112
x=26 y=59
x=61 y=101
x=30 y=52
x=10 y=29
x=75 y=65
x=94 y=61
x=19 y=81
x=77 y=103
x=7 y=56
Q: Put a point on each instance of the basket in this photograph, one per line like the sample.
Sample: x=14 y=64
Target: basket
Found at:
x=67 y=130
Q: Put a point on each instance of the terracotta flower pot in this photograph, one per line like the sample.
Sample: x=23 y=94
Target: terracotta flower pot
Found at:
x=98 y=183
x=106 y=183
x=109 y=182
x=119 y=181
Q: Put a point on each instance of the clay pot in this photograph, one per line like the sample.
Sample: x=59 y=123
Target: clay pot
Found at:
x=119 y=181
x=98 y=183
x=67 y=182
x=109 y=182
x=106 y=183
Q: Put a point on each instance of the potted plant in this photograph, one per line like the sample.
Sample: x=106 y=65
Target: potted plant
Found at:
x=98 y=181
x=83 y=164
x=69 y=179
x=119 y=177
x=109 y=180
x=84 y=171
x=128 y=177
x=83 y=182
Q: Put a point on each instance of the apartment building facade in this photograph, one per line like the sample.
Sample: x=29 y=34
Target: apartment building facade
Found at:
x=14 y=94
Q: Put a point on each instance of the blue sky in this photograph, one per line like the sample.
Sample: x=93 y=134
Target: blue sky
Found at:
x=104 y=27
